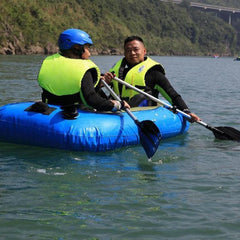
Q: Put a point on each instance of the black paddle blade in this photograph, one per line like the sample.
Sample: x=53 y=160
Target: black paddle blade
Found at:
x=150 y=136
x=226 y=133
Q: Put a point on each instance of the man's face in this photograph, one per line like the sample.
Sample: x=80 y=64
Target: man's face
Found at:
x=134 y=52
x=86 y=55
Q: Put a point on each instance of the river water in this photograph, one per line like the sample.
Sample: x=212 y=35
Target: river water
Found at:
x=190 y=189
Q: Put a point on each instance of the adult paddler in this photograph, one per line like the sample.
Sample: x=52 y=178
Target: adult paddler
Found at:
x=69 y=78
x=146 y=74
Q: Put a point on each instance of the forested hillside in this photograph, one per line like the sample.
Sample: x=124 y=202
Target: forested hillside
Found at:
x=31 y=26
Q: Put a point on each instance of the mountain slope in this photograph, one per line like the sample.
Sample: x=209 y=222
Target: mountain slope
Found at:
x=31 y=26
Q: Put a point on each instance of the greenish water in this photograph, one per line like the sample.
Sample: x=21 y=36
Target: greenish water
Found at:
x=190 y=190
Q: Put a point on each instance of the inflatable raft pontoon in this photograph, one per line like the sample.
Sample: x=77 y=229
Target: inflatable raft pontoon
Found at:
x=91 y=131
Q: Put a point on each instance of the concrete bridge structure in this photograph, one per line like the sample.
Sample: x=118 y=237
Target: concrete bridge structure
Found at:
x=227 y=10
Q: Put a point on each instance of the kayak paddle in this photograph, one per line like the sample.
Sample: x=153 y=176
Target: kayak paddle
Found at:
x=222 y=133
x=149 y=133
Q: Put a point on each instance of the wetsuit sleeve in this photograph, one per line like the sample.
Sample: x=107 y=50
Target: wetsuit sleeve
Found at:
x=155 y=77
x=92 y=98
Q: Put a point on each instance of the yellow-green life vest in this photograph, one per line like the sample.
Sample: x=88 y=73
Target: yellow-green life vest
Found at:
x=135 y=77
x=63 y=76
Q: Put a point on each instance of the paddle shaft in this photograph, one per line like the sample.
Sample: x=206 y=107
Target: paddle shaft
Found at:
x=119 y=99
x=159 y=101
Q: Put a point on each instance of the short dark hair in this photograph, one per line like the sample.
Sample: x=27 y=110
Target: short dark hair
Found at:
x=132 y=38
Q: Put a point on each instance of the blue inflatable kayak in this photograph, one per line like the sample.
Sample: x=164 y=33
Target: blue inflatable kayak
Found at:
x=91 y=131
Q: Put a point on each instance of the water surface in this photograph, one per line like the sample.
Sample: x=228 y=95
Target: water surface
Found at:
x=190 y=190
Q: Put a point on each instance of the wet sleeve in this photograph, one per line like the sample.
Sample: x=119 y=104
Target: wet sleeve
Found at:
x=155 y=77
x=92 y=98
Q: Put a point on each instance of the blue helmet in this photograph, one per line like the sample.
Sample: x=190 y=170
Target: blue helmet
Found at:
x=73 y=36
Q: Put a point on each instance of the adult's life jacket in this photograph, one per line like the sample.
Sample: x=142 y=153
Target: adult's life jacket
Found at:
x=136 y=77
x=63 y=76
